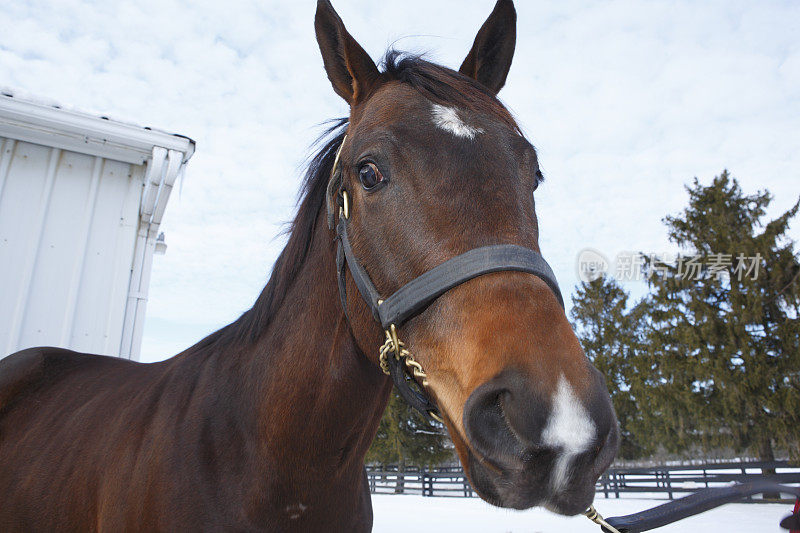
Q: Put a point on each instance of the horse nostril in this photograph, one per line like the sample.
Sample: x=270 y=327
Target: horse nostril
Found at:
x=607 y=447
x=486 y=426
x=504 y=419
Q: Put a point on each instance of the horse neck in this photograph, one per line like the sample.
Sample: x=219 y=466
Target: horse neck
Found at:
x=316 y=398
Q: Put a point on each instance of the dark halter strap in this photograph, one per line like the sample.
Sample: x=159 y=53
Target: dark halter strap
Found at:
x=413 y=297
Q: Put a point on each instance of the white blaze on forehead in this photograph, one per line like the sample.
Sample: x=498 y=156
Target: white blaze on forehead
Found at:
x=447 y=118
x=569 y=429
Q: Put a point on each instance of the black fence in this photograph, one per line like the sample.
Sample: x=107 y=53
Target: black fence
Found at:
x=648 y=482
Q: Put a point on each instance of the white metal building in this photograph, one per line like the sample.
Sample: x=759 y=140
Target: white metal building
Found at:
x=81 y=201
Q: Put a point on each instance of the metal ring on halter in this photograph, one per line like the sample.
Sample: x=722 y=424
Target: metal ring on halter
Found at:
x=344 y=211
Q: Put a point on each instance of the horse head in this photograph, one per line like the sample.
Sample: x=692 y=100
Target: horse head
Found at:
x=433 y=166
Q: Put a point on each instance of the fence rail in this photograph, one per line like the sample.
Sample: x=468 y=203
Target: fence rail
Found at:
x=658 y=482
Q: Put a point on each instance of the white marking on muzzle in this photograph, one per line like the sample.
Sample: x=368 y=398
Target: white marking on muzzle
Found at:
x=447 y=118
x=568 y=429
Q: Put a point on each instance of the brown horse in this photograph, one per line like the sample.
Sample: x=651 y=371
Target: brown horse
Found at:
x=264 y=424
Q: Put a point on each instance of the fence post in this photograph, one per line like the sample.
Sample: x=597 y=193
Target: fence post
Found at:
x=744 y=471
x=668 y=483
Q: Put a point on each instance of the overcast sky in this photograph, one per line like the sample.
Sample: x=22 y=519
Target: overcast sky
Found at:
x=626 y=102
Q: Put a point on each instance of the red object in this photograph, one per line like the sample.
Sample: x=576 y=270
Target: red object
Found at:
x=796 y=509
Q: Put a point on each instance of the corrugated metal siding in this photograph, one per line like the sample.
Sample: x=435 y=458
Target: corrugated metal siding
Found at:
x=68 y=229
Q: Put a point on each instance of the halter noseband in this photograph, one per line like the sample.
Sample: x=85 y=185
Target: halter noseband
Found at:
x=413 y=297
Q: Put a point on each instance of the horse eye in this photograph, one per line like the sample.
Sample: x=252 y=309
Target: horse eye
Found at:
x=538 y=179
x=369 y=175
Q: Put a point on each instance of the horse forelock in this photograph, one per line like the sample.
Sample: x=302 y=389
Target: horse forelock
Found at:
x=445 y=86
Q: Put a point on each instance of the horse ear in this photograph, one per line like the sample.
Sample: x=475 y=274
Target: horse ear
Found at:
x=349 y=67
x=491 y=54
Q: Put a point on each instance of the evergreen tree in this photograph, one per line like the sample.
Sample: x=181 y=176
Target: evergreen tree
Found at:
x=608 y=333
x=722 y=343
x=406 y=438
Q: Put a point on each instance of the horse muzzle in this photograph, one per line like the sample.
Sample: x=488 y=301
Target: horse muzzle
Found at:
x=526 y=449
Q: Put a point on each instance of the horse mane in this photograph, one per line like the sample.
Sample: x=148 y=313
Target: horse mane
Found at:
x=438 y=84
x=254 y=321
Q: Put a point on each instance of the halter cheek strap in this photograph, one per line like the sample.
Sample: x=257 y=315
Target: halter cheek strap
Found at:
x=413 y=297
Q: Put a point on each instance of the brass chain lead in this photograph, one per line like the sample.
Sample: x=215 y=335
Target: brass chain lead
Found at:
x=394 y=345
x=592 y=514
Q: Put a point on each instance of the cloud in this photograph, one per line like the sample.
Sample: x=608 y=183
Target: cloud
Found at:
x=625 y=101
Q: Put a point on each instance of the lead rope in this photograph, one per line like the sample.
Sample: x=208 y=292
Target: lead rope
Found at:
x=696 y=503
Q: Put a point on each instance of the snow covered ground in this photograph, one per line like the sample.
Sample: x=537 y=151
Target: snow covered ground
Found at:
x=400 y=513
